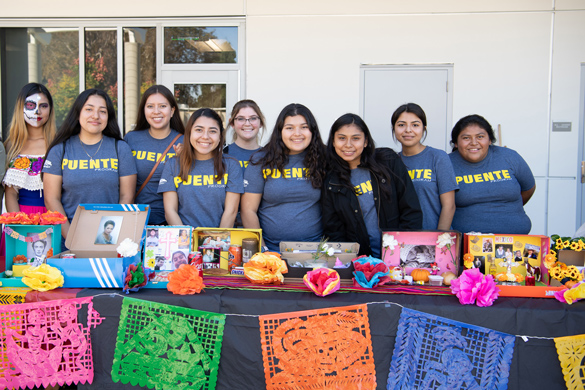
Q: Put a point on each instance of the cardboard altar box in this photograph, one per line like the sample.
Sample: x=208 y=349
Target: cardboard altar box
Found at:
x=302 y=252
x=512 y=253
x=16 y=244
x=96 y=264
x=217 y=240
x=419 y=249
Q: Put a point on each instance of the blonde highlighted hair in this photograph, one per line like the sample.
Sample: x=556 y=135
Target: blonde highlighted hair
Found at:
x=18 y=133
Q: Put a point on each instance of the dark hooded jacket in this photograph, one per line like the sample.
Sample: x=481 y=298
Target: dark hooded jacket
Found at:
x=343 y=220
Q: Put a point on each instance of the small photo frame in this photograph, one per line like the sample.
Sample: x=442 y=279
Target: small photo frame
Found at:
x=36 y=252
x=108 y=230
x=211 y=257
x=487 y=245
x=151 y=238
x=417 y=256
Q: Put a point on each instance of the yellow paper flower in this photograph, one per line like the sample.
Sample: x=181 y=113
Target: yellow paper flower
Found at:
x=559 y=241
x=553 y=252
x=468 y=264
x=559 y=246
x=150 y=263
x=550 y=260
x=566 y=244
x=580 y=246
x=574 y=246
x=43 y=278
x=572 y=272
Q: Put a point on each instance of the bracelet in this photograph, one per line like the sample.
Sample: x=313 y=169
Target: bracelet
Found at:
x=265 y=248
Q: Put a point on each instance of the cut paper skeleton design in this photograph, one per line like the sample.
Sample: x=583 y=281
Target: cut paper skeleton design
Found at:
x=34 y=355
x=455 y=368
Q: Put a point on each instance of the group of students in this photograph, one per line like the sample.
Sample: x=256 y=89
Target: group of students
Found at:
x=295 y=188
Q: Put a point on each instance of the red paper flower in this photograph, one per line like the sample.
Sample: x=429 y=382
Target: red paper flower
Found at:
x=474 y=287
x=185 y=280
x=322 y=281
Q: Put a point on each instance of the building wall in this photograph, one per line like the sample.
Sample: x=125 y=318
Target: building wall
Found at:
x=516 y=62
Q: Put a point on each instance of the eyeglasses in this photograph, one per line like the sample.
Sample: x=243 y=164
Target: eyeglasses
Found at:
x=253 y=119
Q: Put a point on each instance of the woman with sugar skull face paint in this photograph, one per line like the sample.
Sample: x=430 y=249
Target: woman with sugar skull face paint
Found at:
x=32 y=129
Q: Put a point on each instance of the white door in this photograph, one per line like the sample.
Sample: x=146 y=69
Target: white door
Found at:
x=386 y=87
x=197 y=89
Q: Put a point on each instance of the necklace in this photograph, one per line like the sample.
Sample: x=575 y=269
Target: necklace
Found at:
x=98 y=149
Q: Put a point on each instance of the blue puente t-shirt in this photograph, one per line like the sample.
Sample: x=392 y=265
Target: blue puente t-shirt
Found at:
x=489 y=198
x=432 y=175
x=146 y=151
x=86 y=179
x=290 y=209
x=201 y=197
x=361 y=180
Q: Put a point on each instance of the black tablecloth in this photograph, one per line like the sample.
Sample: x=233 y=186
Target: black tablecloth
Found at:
x=535 y=364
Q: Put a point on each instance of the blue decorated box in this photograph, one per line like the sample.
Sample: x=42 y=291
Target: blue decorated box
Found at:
x=94 y=235
x=21 y=240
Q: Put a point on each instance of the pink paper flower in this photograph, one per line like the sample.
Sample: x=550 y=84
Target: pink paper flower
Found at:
x=322 y=281
x=473 y=286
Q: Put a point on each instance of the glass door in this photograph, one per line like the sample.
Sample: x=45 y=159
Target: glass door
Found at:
x=197 y=89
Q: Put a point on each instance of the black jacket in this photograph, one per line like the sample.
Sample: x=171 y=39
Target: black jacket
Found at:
x=343 y=220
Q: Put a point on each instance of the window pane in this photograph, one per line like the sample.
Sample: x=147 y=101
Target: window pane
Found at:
x=206 y=45
x=191 y=97
x=49 y=56
x=101 y=61
x=139 y=69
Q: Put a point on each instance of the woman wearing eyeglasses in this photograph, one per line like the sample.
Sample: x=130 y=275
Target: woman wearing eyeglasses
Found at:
x=246 y=120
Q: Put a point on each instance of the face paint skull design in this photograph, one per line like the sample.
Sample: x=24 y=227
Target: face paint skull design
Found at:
x=32 y=110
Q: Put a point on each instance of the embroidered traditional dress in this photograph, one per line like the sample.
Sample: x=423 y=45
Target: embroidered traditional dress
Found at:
x=24 y=175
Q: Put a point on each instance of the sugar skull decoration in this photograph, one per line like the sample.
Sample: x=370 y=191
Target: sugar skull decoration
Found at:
x=32 y=110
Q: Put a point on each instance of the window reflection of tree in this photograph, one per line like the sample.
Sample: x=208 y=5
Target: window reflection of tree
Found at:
x=101 y=62
x=60 y=69
x=181 y=46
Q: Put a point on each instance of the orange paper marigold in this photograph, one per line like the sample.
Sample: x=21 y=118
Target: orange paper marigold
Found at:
x=53 y=218
x=185 y=280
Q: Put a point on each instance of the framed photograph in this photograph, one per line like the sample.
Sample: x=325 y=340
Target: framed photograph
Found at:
x=108 y=230
x=167 y=247
x=36 y=252
x=211 y=257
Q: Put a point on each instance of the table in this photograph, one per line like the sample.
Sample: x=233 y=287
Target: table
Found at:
x=535 y=363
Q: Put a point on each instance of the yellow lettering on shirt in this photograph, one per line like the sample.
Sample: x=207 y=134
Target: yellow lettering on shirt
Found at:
x=150 y=156
x=200 y=180
x=103 y=163
x=363 y=188
x=484 y=177
x=421 y=174
x=289 y=173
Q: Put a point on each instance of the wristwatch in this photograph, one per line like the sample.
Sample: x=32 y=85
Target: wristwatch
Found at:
x=264 y=248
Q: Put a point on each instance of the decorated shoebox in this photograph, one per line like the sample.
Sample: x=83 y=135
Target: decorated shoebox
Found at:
x=570 y=252
x=25 y=244
x=437 y=251
x=302 y=257
x=510 y=258
x=94 y=236
x=221 y=251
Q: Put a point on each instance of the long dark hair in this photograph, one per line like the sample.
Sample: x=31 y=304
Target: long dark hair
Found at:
x=471 y=120
x=71 y=126
x=367 y=158
x=275 y=153
x=187 y=155
x=176 y=122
